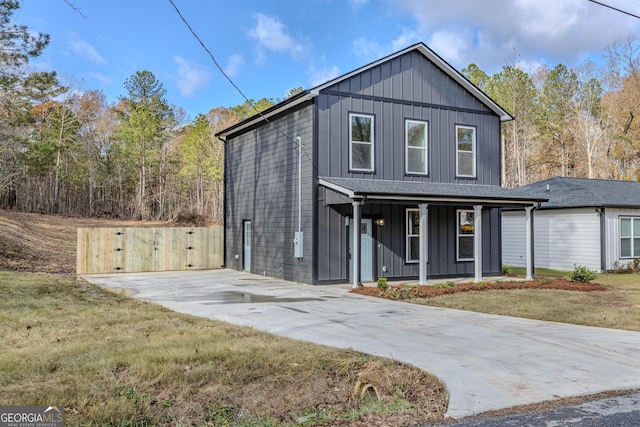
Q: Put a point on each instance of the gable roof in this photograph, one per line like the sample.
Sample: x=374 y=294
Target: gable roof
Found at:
x=309 y=94
x=565 y=192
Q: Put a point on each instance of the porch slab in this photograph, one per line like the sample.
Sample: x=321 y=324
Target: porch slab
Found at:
x=487 y=362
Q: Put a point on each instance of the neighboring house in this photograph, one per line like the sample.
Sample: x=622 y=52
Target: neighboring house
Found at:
x=403 y=153
x=589 y=222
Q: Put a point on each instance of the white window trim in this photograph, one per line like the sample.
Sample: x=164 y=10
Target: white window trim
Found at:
x=475 y=137
x=425 y=148
x=408 y=236
x=633 y=255
x=458 y=234
x=373 y=145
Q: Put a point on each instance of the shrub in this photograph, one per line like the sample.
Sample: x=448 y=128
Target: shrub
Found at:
x=582 y=274
x=506 y=269
x=449 y=284
x=382 y=283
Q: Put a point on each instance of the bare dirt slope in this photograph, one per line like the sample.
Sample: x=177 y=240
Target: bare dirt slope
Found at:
x=46 y=243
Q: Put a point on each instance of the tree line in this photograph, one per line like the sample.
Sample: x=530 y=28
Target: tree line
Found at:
x=69 y=151
x=578 y=122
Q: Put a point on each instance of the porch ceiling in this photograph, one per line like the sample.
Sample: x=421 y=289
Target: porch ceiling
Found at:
x=428 y=192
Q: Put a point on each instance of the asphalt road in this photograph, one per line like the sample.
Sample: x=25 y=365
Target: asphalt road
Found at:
x=617 y=411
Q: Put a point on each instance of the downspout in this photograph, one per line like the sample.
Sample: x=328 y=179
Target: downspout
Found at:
x=299 y=142
x=298 y=239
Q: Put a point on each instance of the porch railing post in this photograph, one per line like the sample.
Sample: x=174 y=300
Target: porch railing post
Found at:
x=477 y=242
x=356 y=244
x=423 y=242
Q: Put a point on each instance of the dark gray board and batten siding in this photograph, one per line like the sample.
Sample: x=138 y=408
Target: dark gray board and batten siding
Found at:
x=407 y=87
x=261 y=170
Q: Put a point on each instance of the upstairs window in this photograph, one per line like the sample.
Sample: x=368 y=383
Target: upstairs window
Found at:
x=466 y=151
x=361 y=142
x=466 y=233
x=416 y=147
x=629 y=237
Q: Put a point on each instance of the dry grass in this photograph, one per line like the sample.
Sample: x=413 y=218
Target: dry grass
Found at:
x=112 y=360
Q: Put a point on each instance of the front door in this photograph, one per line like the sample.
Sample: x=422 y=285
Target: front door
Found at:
x=246 y=263
x=366 y=250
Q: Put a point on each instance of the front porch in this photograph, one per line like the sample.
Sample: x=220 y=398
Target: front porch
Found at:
x=424 y=229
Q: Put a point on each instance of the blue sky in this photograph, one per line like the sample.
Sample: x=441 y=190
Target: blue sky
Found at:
x=269 y=47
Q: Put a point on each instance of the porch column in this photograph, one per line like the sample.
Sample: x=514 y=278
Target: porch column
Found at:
x=529 y=241
x=477 y=242
x=424 y=243
x=356 y=243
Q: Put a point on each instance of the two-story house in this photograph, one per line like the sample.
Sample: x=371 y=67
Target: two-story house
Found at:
x=391 y=170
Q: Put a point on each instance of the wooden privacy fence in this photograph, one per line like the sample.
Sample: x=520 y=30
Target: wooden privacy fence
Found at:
x=130 y=250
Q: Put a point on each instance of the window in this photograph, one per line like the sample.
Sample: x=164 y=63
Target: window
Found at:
x=466 y=151
x=466 y=234
x=416 y=143
x=413 y=235
x=629 y=237
x=361 y=142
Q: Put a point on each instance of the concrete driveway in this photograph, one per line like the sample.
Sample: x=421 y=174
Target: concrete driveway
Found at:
x=487 y=362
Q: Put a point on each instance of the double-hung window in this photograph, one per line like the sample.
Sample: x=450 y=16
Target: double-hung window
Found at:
x=413 y=235
x=465 y=151
x=361 y=142
x=629 y=237
x=465 y=235
x=416 y=147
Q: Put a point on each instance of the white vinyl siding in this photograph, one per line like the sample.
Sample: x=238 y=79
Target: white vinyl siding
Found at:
x=614 y=257
x=416 y=142
x=361 y=142
x=514 y=248
x=562 y=238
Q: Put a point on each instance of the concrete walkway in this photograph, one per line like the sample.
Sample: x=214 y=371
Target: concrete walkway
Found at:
x=487 y=362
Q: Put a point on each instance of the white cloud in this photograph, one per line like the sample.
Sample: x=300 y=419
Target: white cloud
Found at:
x=450 y=45
x=369 y=50
x=233 y=65
x=323 y=75
x=84 y=49
x=191 y=77
x=272 y=35
x=539 y=30
x=357 y=4
x=101 y=78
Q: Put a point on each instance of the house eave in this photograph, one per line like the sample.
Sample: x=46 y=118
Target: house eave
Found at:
x=265 y=115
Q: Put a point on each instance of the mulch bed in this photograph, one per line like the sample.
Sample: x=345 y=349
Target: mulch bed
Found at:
x=408 y=292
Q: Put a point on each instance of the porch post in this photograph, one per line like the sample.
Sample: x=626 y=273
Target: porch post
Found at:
x=356 y=244
x=529 y=241
x=424 y=243
x=477 y=242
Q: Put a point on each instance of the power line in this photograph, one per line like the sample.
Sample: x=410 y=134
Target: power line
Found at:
x=210 y=54
x=236 y=86
x=615 y=8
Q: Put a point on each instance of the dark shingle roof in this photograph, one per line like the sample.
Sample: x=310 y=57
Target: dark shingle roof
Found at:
x=579 y=192
x=373 y=188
